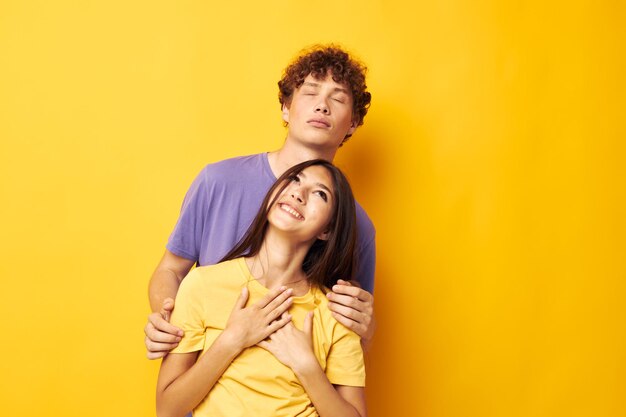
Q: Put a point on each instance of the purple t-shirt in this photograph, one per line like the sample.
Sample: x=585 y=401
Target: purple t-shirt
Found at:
x=221 y=204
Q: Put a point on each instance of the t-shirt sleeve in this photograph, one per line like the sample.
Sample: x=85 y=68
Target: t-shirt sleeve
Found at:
x=188 y=314
x=345 y=364
x=187 y=234
x=366 y=265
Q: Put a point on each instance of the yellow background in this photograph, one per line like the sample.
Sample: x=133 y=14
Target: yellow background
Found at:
x=492 y=163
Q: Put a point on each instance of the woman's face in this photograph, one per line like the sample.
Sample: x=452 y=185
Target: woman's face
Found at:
x=304 y=207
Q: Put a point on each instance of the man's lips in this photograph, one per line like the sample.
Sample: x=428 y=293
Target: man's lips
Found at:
x=319 y=123
x=288 y=209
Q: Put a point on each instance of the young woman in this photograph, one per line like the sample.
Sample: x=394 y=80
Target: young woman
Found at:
x=259 y=337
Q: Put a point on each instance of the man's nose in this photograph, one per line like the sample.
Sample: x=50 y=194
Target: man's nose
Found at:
x=322 y=107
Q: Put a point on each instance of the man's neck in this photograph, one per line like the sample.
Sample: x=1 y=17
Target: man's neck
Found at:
x=291 y=154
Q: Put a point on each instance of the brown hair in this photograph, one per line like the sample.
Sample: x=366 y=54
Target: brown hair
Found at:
x=318 y=61
x=327 y=260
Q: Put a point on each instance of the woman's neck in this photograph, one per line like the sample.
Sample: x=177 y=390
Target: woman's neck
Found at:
x=279 y=263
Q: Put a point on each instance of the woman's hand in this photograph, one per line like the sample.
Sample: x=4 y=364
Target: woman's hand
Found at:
x=292 y=347
x=186 y=378
x=247 y=326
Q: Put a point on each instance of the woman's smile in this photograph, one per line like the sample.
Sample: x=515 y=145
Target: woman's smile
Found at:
x=287 y=208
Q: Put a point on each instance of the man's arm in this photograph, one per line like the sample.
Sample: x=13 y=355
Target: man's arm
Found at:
x=161 y=336
x=352 y=303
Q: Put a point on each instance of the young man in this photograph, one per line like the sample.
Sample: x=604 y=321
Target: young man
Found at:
x=324 y=99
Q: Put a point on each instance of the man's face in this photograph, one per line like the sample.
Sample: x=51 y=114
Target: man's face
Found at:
x=320 y=113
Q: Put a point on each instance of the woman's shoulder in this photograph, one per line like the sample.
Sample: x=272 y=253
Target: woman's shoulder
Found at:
x=207 y=274
x=325 y=315
x=321 y=301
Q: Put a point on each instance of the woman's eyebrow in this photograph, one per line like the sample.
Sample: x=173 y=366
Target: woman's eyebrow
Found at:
x=319 y=184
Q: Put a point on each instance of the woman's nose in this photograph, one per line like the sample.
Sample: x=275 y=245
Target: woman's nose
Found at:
x=297 y=196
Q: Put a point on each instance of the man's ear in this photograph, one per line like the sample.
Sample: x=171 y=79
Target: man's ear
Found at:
x=285 y=113
x=353 y=127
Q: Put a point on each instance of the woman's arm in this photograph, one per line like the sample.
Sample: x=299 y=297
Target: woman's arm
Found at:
x=329 y=400
x=185 y=379
x=184 y=382
x=294 y=349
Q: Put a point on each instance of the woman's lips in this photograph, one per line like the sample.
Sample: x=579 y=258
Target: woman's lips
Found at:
x=288 y=209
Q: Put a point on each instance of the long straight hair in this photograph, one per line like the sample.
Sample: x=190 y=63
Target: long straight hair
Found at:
x=327 y=260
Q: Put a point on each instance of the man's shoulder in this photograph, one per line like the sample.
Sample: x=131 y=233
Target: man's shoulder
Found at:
x=247 y=162
x=364 y=223
x=237 y=169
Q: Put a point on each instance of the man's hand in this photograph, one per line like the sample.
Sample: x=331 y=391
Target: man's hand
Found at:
x=161 y=336
x=354 y=308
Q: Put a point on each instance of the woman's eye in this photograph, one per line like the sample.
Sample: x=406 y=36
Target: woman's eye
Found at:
x=294 y=178
x=322 y=194
x=339 y=100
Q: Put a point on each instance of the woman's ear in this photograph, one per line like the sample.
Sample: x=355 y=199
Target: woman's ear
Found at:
x=285 y=113
x=324 y=235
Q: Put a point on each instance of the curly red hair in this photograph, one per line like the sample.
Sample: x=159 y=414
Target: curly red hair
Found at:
x=320 y=60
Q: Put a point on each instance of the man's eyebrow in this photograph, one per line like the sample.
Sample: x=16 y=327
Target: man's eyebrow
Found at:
x=316 y=85
x=341 y=90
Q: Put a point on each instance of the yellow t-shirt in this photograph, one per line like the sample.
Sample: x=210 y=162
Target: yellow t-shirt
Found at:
x=256 y=383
